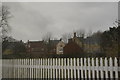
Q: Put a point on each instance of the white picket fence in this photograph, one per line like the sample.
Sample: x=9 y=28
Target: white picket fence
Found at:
x=66 y=68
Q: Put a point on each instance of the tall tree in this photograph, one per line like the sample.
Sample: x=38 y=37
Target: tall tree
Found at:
x=110 y=41
x=5 y=15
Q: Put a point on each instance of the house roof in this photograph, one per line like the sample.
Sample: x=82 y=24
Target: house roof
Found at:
x=36 y=43
x=54 y=42
x=91 y=40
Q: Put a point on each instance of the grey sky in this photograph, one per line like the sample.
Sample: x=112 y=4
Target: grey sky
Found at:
x=33 y=20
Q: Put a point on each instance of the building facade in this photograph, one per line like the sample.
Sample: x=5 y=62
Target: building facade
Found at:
x=59 y=47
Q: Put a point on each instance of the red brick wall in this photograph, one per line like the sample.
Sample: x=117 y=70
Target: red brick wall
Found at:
x=72 y=48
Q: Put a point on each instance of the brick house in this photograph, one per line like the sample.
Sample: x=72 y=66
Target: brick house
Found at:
x=72 y=48
x=74 y=45
x=55 y=46
x=36 y=47
x=51 y=46
x=42 y=47
x=87 y=45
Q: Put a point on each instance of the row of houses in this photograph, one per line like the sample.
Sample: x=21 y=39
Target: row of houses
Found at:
x=75 y=45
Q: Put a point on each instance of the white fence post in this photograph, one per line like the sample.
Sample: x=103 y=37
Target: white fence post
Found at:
x=111 y=68
x=68 y=67
x=116 y=68
x=78 y=68
x=106 y=70
x=97 y=67
x=56 y=66
x=62 y=68
x=85 y=69
x=59 y=68
x=89 y=70
x=48 y=68
x=53 y=61
x=65 y=68
x=81 y=60
x=51 y=67
x=93 y=72
x=71 y=62
x=74 y=68
x=38 y=68
x=101 y=67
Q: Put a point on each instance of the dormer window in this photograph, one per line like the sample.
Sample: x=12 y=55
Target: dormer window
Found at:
x=61 y=46
x=61 y=50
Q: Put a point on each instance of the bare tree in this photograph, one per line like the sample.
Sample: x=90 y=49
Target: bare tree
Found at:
x=47 y=36
x=66 y=36
x=80 y=33
x=89 y=33
x=4 y=24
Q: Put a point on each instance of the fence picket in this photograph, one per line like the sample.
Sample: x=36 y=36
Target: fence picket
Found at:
x=53 y=61
x=74 y=68
x=51 y=68
x=97 y=67
x=93 y=72
x=68 y=64
x=101 y=68
x=89 y=70
x=65 y=68
x=59 y=67
x=85 y=69
x=56 y=70
x=106 y=70
x=62 y=68
x=71 y=68
x=39 y=72
x=78 y=68
x=48 y=69
x=81 y=65
x=111 y=69
x=116 y=69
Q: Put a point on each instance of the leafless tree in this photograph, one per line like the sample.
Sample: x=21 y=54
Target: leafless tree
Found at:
x=66 y=36
x=47 y=36
x=5 y=15
x=89 y=33
x=80 y=33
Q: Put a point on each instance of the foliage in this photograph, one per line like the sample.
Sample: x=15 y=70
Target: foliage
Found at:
x=110 y=41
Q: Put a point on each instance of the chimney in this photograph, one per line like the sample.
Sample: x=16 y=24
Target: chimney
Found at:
x=21 y=41
x=74 y=34
x=49 y=40
x=60 y=39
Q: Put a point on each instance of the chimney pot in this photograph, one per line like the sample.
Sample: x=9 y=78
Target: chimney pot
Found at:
x=74 y=34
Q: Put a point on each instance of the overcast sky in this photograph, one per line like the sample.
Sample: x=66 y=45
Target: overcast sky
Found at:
x=33 y=20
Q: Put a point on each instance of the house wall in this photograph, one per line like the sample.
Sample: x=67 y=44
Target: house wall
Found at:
x=91 y=48
x=59 y=47
x=72 y=48
x=36 y=47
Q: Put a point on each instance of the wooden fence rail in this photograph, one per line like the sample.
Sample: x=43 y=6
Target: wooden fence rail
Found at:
x=62 y=68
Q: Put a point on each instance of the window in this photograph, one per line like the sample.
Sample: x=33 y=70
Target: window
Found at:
x=61 y=50
x=61 y=46
x=42 y=49
x=29 y=45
